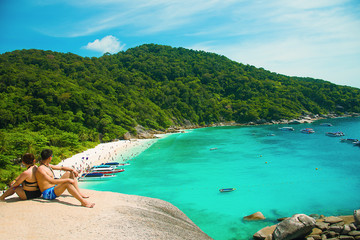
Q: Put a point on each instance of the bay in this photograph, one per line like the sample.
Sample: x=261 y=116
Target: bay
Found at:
x=279 y=173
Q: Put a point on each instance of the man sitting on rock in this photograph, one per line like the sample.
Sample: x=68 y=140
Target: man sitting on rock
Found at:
x=51 y=187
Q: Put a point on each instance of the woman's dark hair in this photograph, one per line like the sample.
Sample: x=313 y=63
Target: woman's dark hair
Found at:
x=46 y=153
x=28 y=158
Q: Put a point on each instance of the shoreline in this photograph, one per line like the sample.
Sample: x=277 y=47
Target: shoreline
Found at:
x=126 y=150
x=121 y=151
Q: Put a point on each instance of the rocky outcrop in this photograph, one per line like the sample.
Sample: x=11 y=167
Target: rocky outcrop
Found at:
x=255 y=216
x=334 y=228
x=298 y=226
x=115 y=216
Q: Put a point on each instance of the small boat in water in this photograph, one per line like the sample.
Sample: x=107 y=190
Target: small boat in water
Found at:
x=335 y=134
x=95 y=176
x=286 y=129
x=326 y=124
x=307 y=130
x=349 y=140
x=227 y=189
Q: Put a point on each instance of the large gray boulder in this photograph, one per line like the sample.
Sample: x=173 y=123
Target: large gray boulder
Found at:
x=357 y=217
x=298 y=226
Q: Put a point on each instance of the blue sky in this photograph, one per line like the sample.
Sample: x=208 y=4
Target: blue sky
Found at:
x=308 y=38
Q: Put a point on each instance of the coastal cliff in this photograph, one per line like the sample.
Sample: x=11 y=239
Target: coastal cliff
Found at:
x=115 y=216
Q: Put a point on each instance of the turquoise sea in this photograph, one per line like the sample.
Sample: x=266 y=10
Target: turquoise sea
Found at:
x=278 y=175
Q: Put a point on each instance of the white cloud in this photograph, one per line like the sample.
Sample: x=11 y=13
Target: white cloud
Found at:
x=107 y=44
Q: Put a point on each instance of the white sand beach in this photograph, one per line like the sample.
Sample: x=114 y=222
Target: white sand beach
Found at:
x=120 y=151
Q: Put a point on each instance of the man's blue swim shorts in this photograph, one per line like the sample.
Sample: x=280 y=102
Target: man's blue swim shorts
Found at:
x=49 y=193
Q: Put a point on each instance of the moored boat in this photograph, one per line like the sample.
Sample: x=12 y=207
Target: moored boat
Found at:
x=286 y=129
x=349 y=140
x=105 y=169
x=95 y=176
x=335 y=134
x=115 y=164
x=227 y=189
x=326 y=124
x=307 y=130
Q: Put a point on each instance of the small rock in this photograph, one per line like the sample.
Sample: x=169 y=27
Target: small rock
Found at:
x=309 y=238
x=323 y=237
x=335 y=228
x=346 y=229
x=332 y=219
x=354 y=233
x=357 y=217
x=322 y=225
x=341 y=224
x=255 y=216
x=332 y=234
x=316 y=231
x=357 y=238
x=316 y=237
x=346 y=237
x=263 y=233
x=352 y=226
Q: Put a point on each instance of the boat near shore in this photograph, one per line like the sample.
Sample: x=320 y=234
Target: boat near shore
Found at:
x=95 y=176
x=105 y=169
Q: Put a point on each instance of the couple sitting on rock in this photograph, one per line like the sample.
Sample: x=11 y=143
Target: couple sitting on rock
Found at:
x=41 y=180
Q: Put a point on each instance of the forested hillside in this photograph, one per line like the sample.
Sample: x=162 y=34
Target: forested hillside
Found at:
x=71 y=103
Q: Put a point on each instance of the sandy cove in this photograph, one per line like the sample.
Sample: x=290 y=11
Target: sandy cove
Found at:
x=115 y=216
x=120 y=150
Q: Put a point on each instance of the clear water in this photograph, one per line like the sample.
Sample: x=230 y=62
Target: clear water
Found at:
x=280 y=175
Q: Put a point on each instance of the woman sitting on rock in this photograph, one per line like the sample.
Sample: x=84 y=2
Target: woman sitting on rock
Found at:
x=25 y=185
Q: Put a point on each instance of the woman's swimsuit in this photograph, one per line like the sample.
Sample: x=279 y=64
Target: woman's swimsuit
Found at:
x=31 y=194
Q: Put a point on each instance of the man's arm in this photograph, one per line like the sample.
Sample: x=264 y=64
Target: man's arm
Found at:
x=46 y=177
x=65 y=169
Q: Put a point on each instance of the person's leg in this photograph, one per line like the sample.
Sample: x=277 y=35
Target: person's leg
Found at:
x=20 y=192
x=76 y=185
x=7 y=193
x=59 y=189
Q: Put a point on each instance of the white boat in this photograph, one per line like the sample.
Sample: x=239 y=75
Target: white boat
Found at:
x=95 y=176
x=286 y=129
x=105 y=169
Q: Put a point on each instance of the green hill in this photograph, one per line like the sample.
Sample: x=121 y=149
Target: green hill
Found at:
x=71 y=103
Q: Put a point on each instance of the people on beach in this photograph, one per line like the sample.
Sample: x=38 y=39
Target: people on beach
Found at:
x=52 y=188
x=25 y=185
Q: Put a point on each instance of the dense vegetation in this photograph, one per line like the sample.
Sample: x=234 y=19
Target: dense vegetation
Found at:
x=71 y=103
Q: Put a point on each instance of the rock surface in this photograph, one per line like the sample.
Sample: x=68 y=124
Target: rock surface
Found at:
x=115 y=216
x=297 y=226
